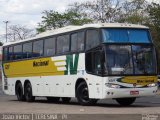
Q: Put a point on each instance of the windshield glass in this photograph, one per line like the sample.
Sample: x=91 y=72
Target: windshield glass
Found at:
x=117 y=35
x=129 y=59
x=143 y=60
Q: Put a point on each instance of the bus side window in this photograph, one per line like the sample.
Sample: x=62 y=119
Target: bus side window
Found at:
x=27 y=50
x=37 y=48
x=5 y=54
x=80 y=41
x=74 y=38
x=17 y=52
x=97 y=62
x=94 y=62
x=92 y=39
x=77 y=42
x=49 y=47
x=10 y=53
x=89 y=62
x=63 y=44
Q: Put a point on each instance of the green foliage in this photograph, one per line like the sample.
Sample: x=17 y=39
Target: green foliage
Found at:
x=154 y=15
x=53 y=20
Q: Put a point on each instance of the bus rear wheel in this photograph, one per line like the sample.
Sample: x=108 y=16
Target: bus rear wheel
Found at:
x=53 y=99
x=125 y=101
x=19 y=92
x=28 y=93
x=83 y=95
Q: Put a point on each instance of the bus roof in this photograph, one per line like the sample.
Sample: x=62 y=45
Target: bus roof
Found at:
x=73 y=28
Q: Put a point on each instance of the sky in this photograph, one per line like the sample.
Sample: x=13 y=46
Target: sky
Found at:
x=28 y=12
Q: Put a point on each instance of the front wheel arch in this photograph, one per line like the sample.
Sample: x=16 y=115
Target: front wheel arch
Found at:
x=83 y=95
x=79 y=81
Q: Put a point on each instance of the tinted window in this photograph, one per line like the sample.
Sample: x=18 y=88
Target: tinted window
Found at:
x=27 y=50
x=5 y=54
x=126 y=35
x=77 y=41
x=94 y=62
x=63 y=44
x=89 y=66
x=139 y=36
x=38 y=48
x=143 y=58
x=17 y=52
x=49 y=47
x=130 y=59
x=92 y=39
x=10 y=54
x=119 y=59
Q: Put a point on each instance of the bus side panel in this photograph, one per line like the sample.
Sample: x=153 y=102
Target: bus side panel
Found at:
x=95 y=86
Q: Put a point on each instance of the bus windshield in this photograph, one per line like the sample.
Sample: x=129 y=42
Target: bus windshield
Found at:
x=117 y=35
x=130 y=59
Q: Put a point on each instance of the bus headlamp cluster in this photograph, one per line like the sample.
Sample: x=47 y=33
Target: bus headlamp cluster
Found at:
x=111 y=85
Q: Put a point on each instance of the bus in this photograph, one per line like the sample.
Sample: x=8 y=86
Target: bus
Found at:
x=89 y=62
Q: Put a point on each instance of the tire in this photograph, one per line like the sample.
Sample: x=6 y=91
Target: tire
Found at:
x=125 y=101
x=53 y=99
x=28 y=93
x=66 y=99
x=83 y=95
x=19 y=92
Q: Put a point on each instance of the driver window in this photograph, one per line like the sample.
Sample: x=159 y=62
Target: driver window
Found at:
x=94 y=62
x=97 y=62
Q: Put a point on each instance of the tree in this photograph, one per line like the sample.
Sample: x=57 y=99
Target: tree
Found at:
x=19 y=32
x=154 y=14
x=98 y=10
x=53 y=20
x=135 y=12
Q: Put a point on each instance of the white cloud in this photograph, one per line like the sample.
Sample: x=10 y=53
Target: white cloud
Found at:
x=28 y=12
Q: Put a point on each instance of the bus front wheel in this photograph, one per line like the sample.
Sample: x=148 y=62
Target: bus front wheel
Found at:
x=19 y=92
x=28 y=93
x=125 y=101
x=83 y=95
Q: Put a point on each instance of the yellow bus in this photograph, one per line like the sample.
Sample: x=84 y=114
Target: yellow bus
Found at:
x=89 y=62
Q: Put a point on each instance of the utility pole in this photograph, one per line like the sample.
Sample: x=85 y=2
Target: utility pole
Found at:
x=6 y=22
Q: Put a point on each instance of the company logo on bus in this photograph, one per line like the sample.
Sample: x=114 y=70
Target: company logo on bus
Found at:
x=134 y=84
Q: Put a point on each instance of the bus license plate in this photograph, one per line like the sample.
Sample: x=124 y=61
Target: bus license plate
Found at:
x=134 y=92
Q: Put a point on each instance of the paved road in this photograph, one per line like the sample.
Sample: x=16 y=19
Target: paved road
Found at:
x=41 y=105
x=142 y=106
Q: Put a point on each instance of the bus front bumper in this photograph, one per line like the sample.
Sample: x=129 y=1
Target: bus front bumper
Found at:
x=129 y=92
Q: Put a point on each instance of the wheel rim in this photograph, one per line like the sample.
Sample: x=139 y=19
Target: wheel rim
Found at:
x=84 y=94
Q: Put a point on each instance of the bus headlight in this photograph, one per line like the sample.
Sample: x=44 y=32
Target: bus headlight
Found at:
x=152 y=85
x=111 y=85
